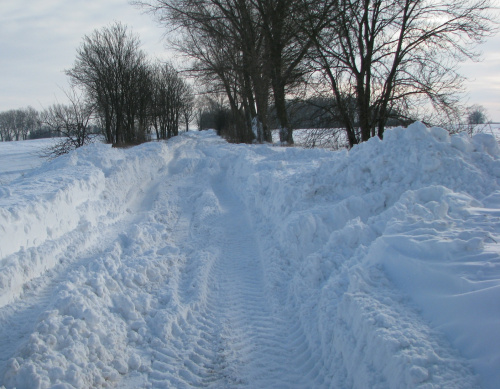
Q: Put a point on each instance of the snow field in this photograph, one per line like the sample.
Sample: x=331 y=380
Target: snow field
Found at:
x=18 y=158
x=198 y=263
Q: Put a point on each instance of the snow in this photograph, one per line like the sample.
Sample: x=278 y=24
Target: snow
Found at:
x=197 y=263
x=17 y=158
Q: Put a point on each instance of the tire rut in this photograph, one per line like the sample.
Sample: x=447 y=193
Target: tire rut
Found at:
x=232 y=337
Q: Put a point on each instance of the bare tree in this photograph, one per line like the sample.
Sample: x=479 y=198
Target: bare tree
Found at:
x=476 y=114
x=72 y=121
x=393 y=55
x=246 y=48
x=188 y=106
x=111 y=68
x=475 y=121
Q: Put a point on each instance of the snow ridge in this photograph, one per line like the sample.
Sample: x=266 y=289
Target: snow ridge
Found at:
x=44 y=212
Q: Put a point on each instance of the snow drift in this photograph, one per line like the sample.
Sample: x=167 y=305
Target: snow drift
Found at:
x=417 y=211
x=378 y=267
x=74 y=193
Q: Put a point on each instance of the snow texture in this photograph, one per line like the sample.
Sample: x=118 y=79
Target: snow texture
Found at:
x=197 y=263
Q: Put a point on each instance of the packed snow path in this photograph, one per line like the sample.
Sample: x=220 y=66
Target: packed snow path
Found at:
x=197 y=263
x=231 y=338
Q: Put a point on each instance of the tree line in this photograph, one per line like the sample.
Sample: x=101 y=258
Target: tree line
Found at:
x=375 y=60
x=17 y=124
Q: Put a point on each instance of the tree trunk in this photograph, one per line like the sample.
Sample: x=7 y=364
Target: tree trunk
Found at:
x=286 y=135
x=363 y=102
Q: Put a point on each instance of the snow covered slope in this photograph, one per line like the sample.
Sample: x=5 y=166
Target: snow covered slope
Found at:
x=196 y=263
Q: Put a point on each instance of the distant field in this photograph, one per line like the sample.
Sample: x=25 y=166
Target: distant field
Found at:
x=16 y=158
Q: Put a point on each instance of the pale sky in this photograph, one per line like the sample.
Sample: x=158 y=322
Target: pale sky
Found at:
x=39 y=38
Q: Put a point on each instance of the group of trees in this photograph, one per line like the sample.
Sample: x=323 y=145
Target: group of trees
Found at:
x=172 y=101
x=246 y=50
x=17 y=124
x=71 y=121
x=126 y=93
x=374 y=59
x=114 y=88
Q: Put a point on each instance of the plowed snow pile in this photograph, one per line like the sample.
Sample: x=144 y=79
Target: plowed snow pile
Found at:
x=197 y=263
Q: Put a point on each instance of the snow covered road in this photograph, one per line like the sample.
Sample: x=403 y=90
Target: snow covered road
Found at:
x=177 y=278
x=197 y=263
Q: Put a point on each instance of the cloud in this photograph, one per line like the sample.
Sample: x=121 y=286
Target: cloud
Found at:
x=484 y=78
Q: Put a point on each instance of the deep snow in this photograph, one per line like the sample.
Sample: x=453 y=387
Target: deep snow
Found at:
x=197 y=263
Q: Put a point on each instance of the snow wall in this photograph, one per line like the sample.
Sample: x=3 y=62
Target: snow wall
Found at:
x=64 y=200
x=380 y=246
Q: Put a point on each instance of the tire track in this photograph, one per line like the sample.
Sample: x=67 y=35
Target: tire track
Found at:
x=231 y=337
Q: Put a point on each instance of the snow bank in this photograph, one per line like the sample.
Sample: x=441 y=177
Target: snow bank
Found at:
x=417 y=211
x=111 y=306
x=68 y=197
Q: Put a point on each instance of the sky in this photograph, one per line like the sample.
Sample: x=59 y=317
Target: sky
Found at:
x=39 y=39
